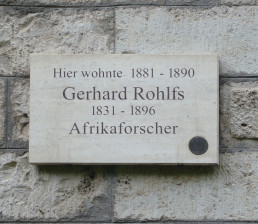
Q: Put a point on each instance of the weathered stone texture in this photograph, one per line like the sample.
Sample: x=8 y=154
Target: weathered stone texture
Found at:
x=103 y=3
x=225 y=192
x=64 y=31
x=229 y=31
x=108 y=2
x=239 y=2
x=18 y=122
x=244 y=112
x=50 y=193
x=2 y=112
x=238 y=115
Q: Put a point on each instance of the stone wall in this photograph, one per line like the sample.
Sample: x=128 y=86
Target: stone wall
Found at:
x=105 y=194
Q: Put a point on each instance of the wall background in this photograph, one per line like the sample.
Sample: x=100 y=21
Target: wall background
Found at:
x=177 y=194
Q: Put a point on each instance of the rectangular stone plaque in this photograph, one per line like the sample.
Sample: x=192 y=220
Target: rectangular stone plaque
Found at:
x=124 y=109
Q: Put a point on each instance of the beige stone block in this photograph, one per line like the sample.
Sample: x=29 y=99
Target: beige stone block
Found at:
x=229 y=31
x=45 y=30
x=244 y=112
x=226 y=192
x=18 y=116
x=32 y=193
x=238 y=114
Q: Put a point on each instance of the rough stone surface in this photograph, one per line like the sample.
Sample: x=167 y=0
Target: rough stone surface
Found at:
x=229 y=31
x=107 y=2
x=239 y=2
x=63 y=31
x=225 y=192
x=244 y=112
x=18 y=122
x=2 y=112
x=172 y=222
x=238 y=106
x=47 y=193
x=127 y=2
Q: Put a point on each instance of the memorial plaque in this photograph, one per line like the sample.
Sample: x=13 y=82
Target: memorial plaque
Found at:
x=124 y=109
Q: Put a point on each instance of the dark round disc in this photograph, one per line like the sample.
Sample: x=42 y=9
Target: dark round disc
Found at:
x=198 y=145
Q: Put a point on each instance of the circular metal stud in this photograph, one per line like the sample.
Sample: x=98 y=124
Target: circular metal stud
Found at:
x=198 y=145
